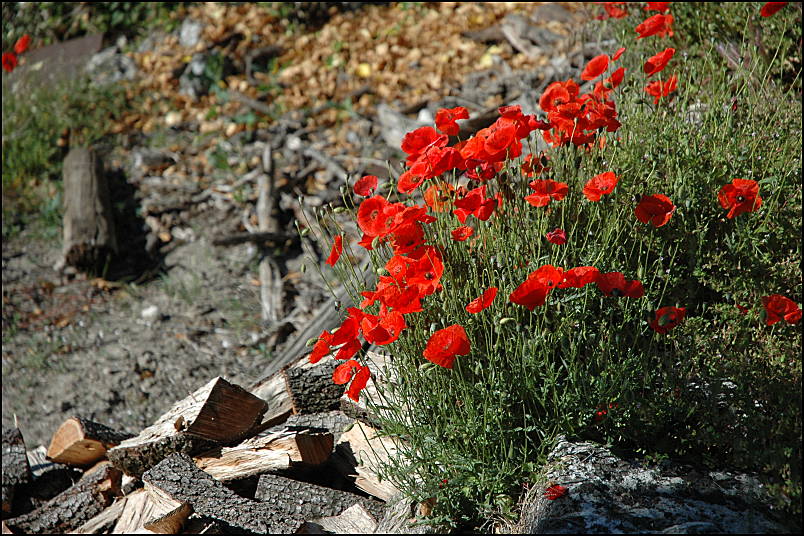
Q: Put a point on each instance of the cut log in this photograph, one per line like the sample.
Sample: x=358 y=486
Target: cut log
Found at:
x=218 y=412
x=49 y=478
x=354 y=520
x=302 y=387
x=103 y=522
x=75 y=506
x=336 y=422
x=309 y=501
x=272 y=450
x=179 y=478
x=16 y=470
x=89 y=235
x=82 y=442
x=150 y=509
x=360 y=453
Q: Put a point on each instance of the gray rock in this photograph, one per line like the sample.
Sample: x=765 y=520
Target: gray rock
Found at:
x=109 y=66
x=607 y=494
x=190 y=33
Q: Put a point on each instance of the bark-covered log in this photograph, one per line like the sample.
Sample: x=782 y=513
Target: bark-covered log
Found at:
x=179 y=478
x=301 y=387
x=310 y=501
x=218 y=412
x=311 y=387
x=75 y=506
x=83 y=442
x=105 y=521
x=89 y=235
x=336 y=422
x=16 y=470
x=272 y=450
x=359 y=454
x=49 y=478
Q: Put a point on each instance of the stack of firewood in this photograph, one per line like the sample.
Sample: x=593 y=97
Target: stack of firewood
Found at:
x=289 y=455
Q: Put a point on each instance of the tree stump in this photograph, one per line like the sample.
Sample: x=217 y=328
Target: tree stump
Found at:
x=89 y=236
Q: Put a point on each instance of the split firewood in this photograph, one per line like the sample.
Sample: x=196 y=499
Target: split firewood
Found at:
x=49 y=478
x=302 y=387
x=218 y=412
x=310 y=501
x=354 y=520
x=148 y=508
x=74 y=506
x=89 y=234
x=179 y=478
x=16 y=470
x=272 y=450
x=402 y=516
x=105 y=521
x=359 y=454
x=82 y=442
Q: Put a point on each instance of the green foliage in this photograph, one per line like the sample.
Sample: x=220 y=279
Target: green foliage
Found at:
x=33 y=122
x=49 y=22
x=721 y=390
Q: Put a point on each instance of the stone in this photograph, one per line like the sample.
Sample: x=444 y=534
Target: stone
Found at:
x=608 y=494
x=109 y=66
x=190 y=33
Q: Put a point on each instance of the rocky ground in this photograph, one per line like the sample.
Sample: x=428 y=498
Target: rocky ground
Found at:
x=176 y=308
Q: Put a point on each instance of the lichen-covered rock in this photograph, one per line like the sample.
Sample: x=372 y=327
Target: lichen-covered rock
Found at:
x=607 y=494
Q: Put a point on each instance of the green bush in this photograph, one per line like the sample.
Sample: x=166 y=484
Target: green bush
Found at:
x=722 y=389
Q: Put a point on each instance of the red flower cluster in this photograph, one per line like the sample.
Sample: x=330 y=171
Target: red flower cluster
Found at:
x=778 y=307
x=577 y=118
x=742 y=195
x=9 y=59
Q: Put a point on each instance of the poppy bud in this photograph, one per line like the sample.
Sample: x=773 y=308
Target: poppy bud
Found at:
x=507 y=320
x=311 y=341
x=303 y=268
x=304 y=232
x=339 y=210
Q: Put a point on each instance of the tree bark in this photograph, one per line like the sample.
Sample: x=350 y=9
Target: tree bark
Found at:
x=89 y=235
x=218 y=412
x=75 y=506
x=16 y=470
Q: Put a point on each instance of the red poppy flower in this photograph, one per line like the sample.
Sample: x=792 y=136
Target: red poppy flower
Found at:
x=742 y=308
x=557 y=237
x=9 y=61
x=658 y=62
x=667 y=318
x=554 y=492
x=658 y=89
x=22 y=44
x=615 y=284
x=445 y=119
x=371 y=216
x=343 y=372
x=778 y=307
x=533 y=291
x=617 y=54
x=337 y=249
x=612 y=11
x=742 y=195
x=349 y=329
x=383 y=329
x=462 y=233
x=358 y=383
x=656 y=209
x=365 y=186
x=438 y=196
x=445 y=344
x=546 y=190
x=417 y=142
x=770 y=8
x=321 y=347
x=595 y=67
x=483 y=302
x=348 y=350
x=579 y=277
x=534 y=164
x=657 y=6
x=660 y=25
x=600 y=185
